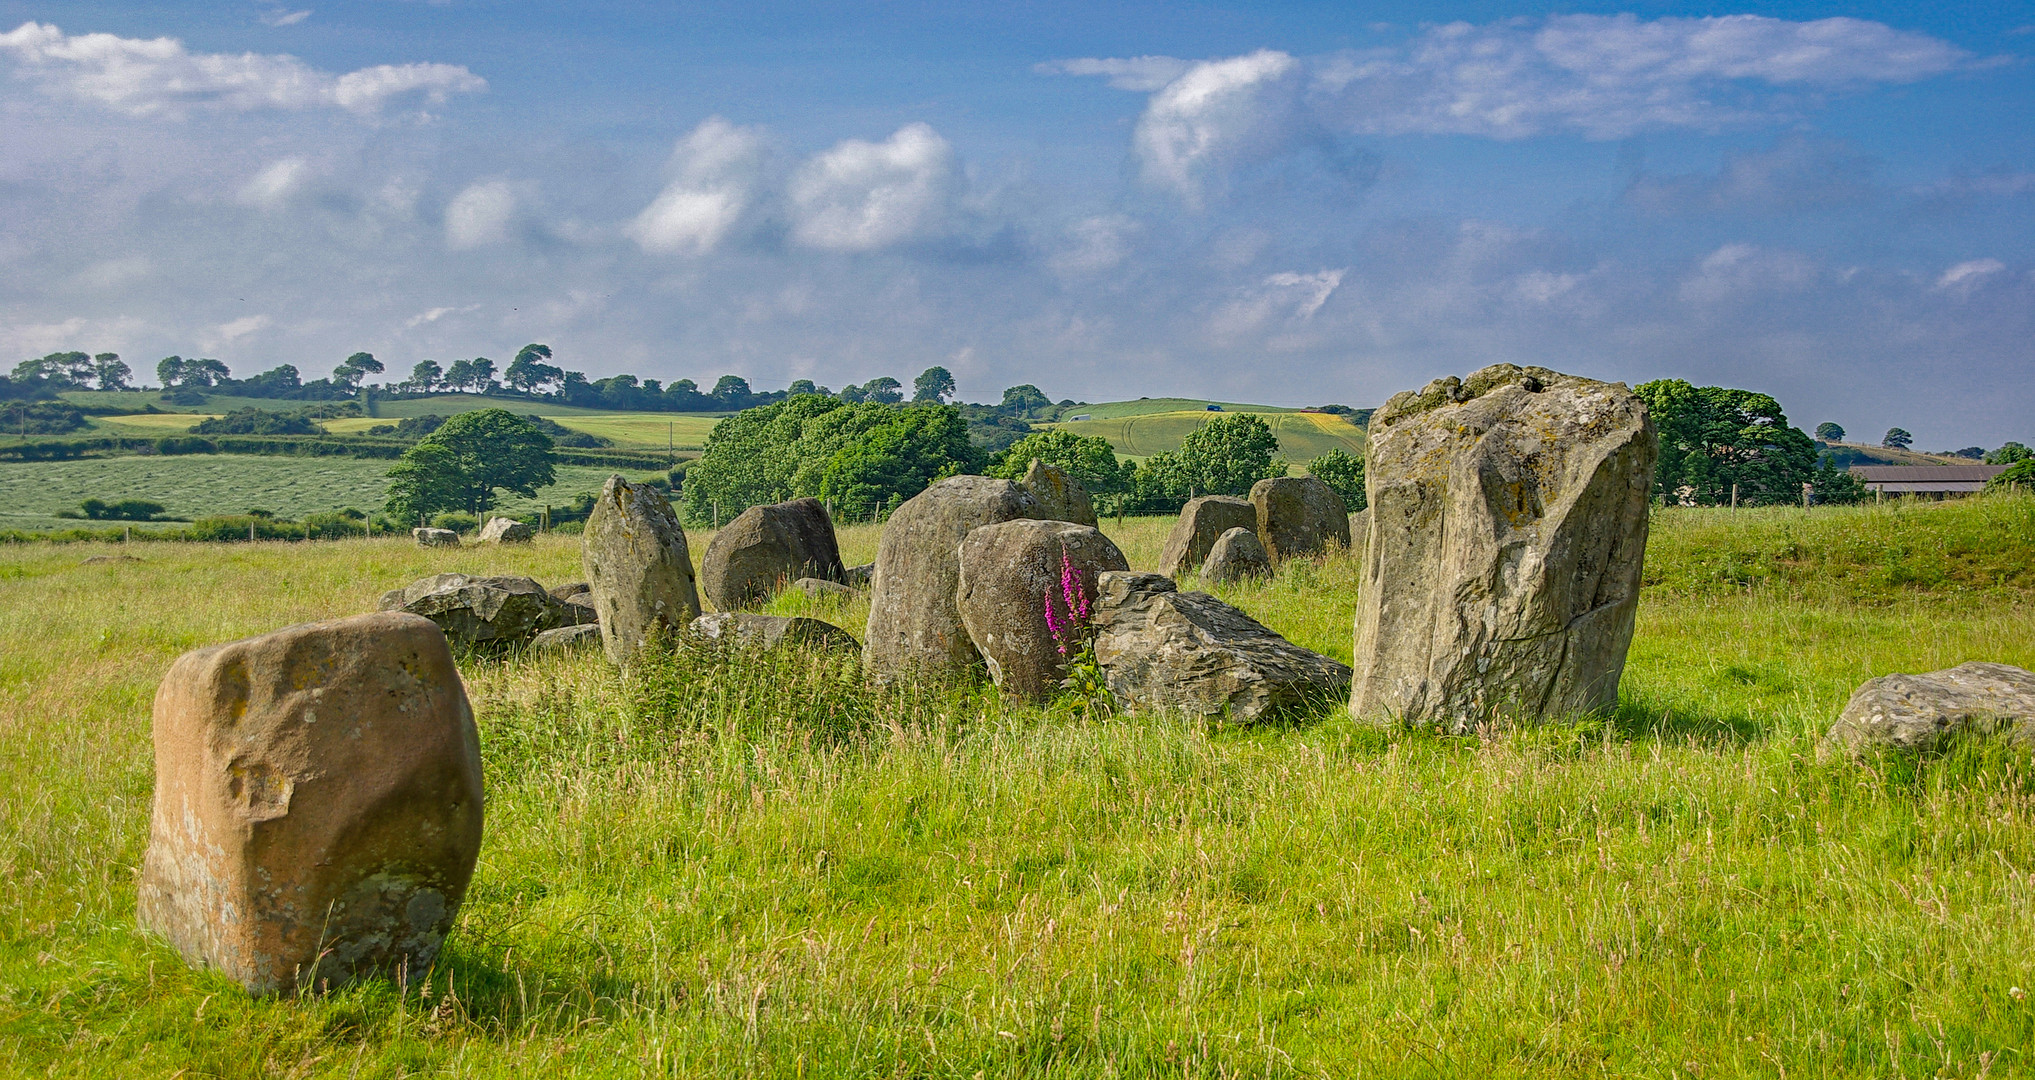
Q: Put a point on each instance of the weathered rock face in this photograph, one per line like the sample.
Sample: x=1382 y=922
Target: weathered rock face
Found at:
x=501 y=530
x=483 y=612
x=1508 y=529
x=1009 y=572
x=1202 y=522
x=1236 y=555
x=767 y=548
x=820 y=589
x=1161 y=649
x=1298 y=516
x=1061 y=497
x=1360 y=530
x=567 y=638
x=1918 y=713
x=762 y=633
x=435 y=537
x=915 y=628
x=317 y=803
x=638 y=568
x=859 y=577
x=570 y=590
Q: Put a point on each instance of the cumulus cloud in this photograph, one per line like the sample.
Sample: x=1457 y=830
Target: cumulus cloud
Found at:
x=714 y=176
x=1747 y=271
x=480 y=215
x=273 y=186
x=283 y=17
x=432 y=315
x=1969 y=273
x=861 y=196
x=1288 y=295
x=159 y=77
x=1600 y=76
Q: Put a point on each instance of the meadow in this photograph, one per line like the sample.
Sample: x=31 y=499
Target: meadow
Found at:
x=1302 y=436
x=735 y=866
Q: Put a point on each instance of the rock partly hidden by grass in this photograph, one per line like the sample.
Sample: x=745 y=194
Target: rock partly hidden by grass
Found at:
x=730 y=865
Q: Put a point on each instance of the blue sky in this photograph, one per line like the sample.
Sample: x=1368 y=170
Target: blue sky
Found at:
x=1294 y=204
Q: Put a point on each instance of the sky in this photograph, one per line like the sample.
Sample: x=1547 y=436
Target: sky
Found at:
x=1290 y=204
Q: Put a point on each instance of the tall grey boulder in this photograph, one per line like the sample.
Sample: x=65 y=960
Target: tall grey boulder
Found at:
x=915 y=628
x=1360 y=530
x=1061 y=497
x=1918 y=713
x=1508 y=531
x=1237 y=555
x=1162 y=649
x=1202 y=522
x=638 y=568
x=317 y=803
x=1009 y=573
x=1298 y=516
x=767 y=548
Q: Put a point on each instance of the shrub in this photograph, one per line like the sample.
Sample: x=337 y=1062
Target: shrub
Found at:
x=41 y=418
x=456 y=520
x=1343 y=472
x=185 y=444
x=257 y=422
x=230 y=527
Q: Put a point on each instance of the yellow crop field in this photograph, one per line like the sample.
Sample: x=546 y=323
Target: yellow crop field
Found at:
x=683 y=430
x=1302 y=436
x=151 y=424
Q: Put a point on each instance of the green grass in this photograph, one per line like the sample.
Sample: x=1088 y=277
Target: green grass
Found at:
x=442 y=404
x=192 y=485
x=770 y=869
x=1113 y=410
x=626 y=429
x=1302 y=436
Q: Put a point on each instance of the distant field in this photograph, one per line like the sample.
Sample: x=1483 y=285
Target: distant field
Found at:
x=1302 y=436
x=149 y=424
x=442 y=404
x=1110 y=410
x=688 y=431
x=198 y=484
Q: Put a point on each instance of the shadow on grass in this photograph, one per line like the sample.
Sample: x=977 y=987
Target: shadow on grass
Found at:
x=1644 y=716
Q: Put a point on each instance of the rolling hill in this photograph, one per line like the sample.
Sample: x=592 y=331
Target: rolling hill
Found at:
x=1302 y=436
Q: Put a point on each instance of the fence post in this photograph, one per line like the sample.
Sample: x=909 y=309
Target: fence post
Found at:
x=1734 y=496
x=1806 y=488
x=250 y=530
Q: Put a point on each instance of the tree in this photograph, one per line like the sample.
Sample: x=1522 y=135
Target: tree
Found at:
x=486 y=451
x=1090 y=460
x=63 y=370
x=883 y=391
x=1897 y=439
x=481 y=374
x=896 y=459
x=1343 y=472
x=177 y=372
x=1025 y=400
x=1715 y=439
x=426 y=375
x=933 y=386
x=1228 y=454
x=1829 y=432
x=355 y=368
x=2010 y=454
x=2019 y=475
x=529 y=372
x=801 y=386
x=110 y=371
x=460 y=375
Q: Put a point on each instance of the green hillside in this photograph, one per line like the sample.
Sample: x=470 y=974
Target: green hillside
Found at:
x=442 y=404
x=1111 y=410
x=1302 y=436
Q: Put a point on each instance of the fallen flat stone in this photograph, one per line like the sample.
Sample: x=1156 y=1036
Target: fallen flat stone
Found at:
x=763 y=633
x=858 y=577
x=567 y=638
x=318 y=803
x=1010 y=572
x=1509 y=514
x=435 y=537
x=1061 y=497
x=1236 y=556
x=570 y=590
x=501 y=530
x=765 y=549
x=1202 y=522
x=1298 y=516
x=1161 y=649
x=1920 y=713
x=821 y=589
x=915 y=628
x=481 y=612
x=638 y=568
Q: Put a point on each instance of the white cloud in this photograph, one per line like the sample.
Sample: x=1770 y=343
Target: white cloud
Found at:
x=1970 y=273
x=1290 y=296
x=714 y=175
x=1747 y=271
x=434 y=314
x=1094 y=245
x=480 y=215
x=283 y=17
x=273 y=186
x=1998 y=185
x=1211 y=110
x=1141 y=73
x=116 y=273
x=861 y=196
x=159 y=77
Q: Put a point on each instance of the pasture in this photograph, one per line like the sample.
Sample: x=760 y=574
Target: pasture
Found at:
x=1302 y=436
x=686 y=431
x=766 y=868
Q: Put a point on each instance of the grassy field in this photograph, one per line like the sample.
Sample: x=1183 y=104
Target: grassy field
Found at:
x=769 y=869
x=192 y=485
x=643 y=430
x=442 y=404
x=1302 y=436
x=1116 y=410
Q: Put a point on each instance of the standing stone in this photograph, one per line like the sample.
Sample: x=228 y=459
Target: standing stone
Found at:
x=1201 y=523
x=1298 y=516
x=435 y=537
x=1009 y=572
x=637 y=567
x=1508 y=530
x=501 y=530
x=766 y=548
x=1919 y=713
x=1360 y=530
x=1061 y=497
x=317 y=803
x=1236 y=555
x=915 y=627
x=1161 y=649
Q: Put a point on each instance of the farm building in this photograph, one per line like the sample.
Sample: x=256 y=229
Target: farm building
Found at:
x=1926 y=481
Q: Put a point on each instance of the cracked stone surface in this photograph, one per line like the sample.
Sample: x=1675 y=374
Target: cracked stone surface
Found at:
x=1508 y=521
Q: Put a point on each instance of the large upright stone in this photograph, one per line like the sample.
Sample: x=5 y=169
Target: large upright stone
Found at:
x=317 y=803
x=1360 y=530
x=1010 y=572
x=915 y=628
x=1202 y=522
x=1237 y=555
x=637 y=567
x=767 y=548
x=1161 y=649
x=1917 y=713
x=1061 y=497
x=1508 y=530
x=1298 y=516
